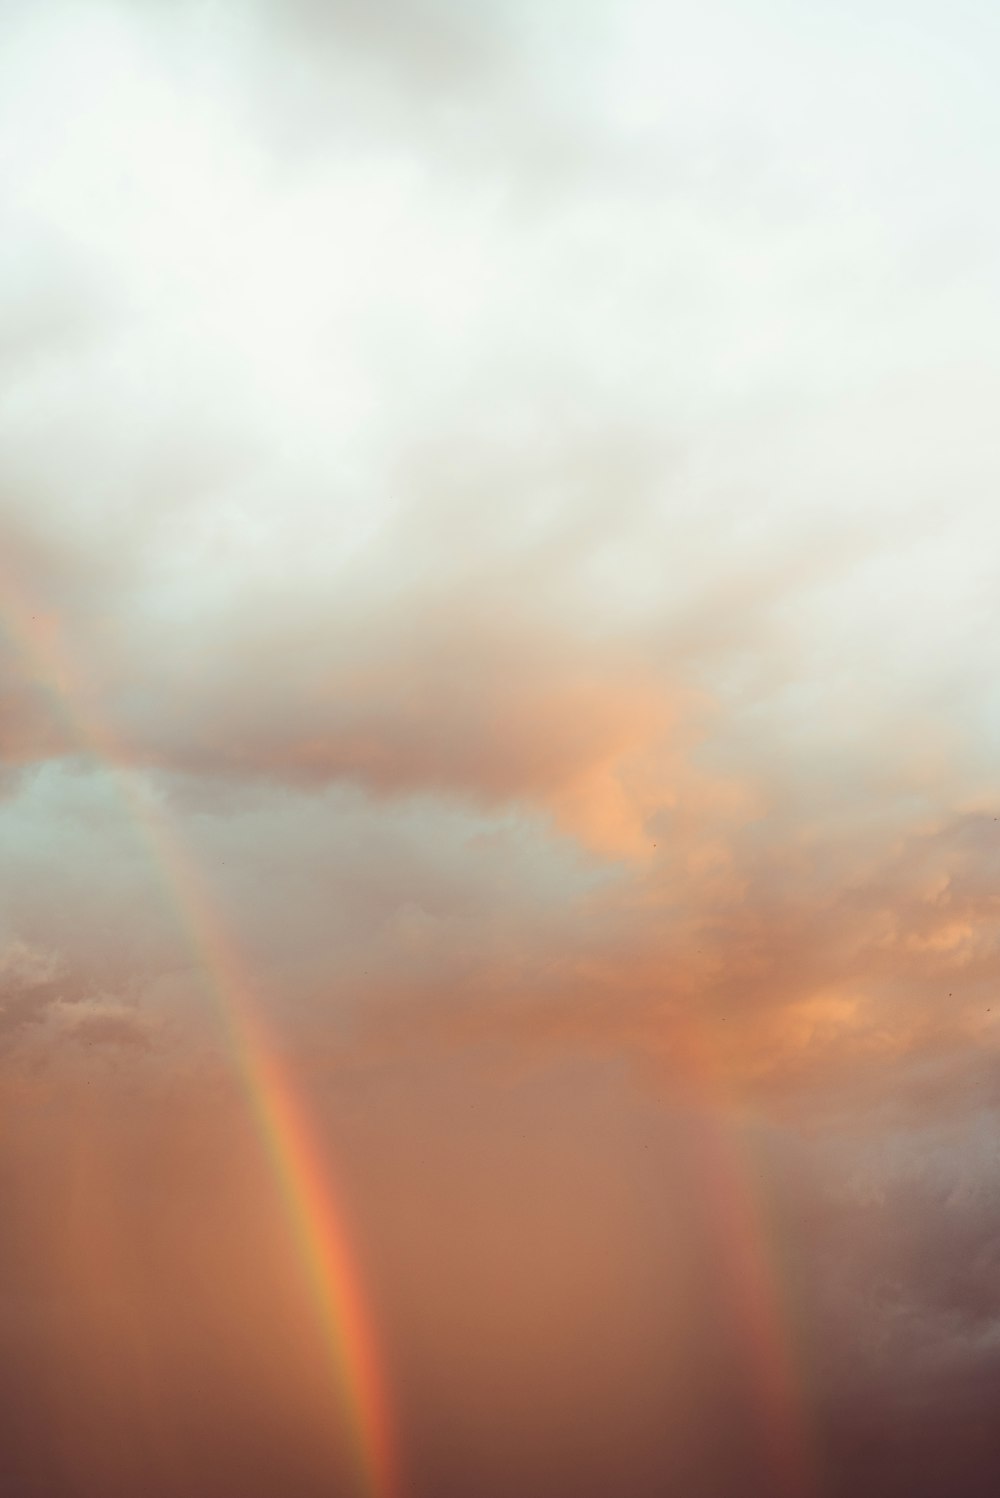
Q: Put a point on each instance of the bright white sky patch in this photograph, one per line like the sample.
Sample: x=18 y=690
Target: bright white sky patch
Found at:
x=678 y=326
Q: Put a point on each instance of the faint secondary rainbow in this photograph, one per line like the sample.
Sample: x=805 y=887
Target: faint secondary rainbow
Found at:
x=315 y=1215
x=756 y=1303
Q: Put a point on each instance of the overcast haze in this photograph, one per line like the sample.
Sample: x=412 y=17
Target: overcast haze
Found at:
x=509 y=491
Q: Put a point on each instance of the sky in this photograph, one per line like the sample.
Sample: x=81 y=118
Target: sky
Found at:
x=499 y=728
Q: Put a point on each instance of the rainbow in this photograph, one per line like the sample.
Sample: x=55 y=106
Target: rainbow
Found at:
x=315 y=1214
x=313 y=1209
x=746 y=1268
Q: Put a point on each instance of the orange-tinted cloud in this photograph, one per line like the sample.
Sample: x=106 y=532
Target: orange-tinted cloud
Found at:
x=516 y=493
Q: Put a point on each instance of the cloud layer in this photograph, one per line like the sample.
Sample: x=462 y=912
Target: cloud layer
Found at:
x=512 y=487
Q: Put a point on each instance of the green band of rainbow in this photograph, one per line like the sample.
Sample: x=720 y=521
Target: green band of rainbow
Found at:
x=315 y=1215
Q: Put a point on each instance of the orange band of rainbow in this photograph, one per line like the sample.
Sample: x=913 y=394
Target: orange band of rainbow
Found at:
x=315 y=1216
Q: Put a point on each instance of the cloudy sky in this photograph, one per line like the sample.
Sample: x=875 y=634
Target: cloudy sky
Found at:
x=499 y=560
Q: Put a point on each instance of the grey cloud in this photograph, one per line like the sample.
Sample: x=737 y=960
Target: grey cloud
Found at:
x=103 y=1022
x=31 y=983
x=514 y=483
x=437 y=44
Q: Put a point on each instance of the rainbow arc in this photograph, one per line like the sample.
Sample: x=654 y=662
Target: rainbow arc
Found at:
x=313 y=1209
